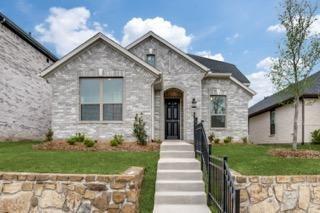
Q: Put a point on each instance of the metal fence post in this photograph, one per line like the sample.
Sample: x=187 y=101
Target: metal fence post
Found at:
x=209 y=176
x=237 y=201
x=225 y=193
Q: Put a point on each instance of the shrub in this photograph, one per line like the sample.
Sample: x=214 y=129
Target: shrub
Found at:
x=244 y=140
x=139 y=130
x=116 y=140
x=157 y=140
x=211 y=137
x=315 y=136
x=216 y=140
x=72 y=140
x=228 y=139
x=49 y=135
x=89 y=142
x=80 y=137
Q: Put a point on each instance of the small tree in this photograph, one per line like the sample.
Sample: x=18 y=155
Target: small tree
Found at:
x=299 y=52
x=139 y=130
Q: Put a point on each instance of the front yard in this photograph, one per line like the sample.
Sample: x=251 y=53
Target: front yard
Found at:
x=20 y=157
x=256 y=160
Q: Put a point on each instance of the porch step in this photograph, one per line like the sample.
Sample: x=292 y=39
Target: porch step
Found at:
x=181 y=208
x=179 y=175
x=176 y=154
x=181 y=185
x=176 y=146
x=180 y=197
x=178 y=164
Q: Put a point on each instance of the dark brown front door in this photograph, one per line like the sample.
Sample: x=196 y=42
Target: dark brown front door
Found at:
x=172 y=119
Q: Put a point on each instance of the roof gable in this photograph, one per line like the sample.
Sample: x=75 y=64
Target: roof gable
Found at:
x=163 y=41
x=90 y=41
x=278 y=98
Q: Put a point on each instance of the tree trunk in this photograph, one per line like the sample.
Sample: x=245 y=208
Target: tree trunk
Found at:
x=295 y=123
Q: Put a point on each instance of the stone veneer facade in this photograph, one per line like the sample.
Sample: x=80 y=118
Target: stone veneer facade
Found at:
x=24 y=96
x=275 y=194
x=143 y=92
x=31 y=192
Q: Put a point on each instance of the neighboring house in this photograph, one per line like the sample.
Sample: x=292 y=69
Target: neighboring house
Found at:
x=271 y=120
x=99 y=87
x=24 y=95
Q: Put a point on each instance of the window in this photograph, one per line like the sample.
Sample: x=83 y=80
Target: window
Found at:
x=272 y=122
x=151 y=59
x=218 y=111
x=101 y=99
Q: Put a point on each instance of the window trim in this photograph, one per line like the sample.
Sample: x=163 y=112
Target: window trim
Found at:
x=101 y=121
x=272 y=112
x=225 y=115
x=151 y=54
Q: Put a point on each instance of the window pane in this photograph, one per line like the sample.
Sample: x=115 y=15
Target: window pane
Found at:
x=218 y=121
x=112 y=90
x=90 y=112
x=151 y=59
x=112 y=112
x=218 y=105
x=89 y=91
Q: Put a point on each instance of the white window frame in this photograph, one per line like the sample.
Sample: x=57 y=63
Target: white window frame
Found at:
x=225 y=115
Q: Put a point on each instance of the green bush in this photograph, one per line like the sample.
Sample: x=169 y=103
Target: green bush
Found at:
x=72 y=140
x=216 y=140
x=116 y=140
x=139 y=130
x=49 y=135
x=315 y=136
x=228 y=139
x=244 y=140
x=211 y=137
x=89 y=142
x=80 y=137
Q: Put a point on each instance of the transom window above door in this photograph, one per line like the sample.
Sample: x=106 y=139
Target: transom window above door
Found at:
x=218 y=111
x=101 y=99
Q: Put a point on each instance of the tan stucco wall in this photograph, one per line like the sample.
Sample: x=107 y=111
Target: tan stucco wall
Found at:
x=259 y=126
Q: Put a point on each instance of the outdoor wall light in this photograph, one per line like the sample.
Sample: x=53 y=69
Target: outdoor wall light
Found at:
x=194 y=103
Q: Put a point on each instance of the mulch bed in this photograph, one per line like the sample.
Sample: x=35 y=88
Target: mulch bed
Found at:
x=99 y=146
x=288 y=153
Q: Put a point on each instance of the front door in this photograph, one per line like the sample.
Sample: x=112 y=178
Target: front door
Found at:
x=172 y=119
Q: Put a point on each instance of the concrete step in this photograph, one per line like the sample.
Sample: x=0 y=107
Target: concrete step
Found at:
x=179 y=185
x=183 y=197
x=179 y=175
x=178 y=164
x=177 y=154
x=176 y=146
x=181 y=208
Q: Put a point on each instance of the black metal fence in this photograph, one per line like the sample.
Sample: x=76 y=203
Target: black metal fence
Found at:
x=221 y=191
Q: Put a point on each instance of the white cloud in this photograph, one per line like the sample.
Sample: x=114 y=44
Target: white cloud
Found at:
x=260 y=82
x=137 y=27
x=68 y=28
x=265 y=64
x=278 y=28
x=208 y=54
x=232 y=38
x=314 y=29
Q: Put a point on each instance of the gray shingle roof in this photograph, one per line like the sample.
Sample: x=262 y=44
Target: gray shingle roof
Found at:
x=25 y=36
x=276 y=99
x=221 y=67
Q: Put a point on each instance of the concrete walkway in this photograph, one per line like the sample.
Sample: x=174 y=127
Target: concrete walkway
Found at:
x=179 y=185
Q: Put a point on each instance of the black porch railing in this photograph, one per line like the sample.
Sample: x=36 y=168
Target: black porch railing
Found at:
x=221 y=191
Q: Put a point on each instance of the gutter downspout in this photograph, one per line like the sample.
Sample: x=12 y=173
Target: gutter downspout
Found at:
x=302 y=121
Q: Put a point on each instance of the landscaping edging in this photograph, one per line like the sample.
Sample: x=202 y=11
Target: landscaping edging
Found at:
x=39 y=192
x=278 y=193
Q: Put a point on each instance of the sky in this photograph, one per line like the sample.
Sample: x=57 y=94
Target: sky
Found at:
x=242 y=32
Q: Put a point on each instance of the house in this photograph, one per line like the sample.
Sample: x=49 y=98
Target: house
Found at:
x=271 y=120
x=24 y=95
x=100 y=86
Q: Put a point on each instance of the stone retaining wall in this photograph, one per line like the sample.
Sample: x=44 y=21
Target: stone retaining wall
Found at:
x=33 y=192
x=279 y=193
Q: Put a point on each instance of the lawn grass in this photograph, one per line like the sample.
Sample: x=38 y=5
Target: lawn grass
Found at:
x=255 y=160
x=20 y=157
